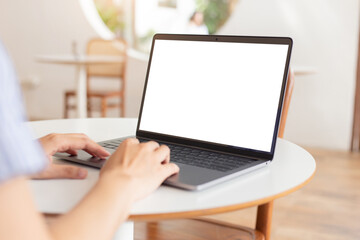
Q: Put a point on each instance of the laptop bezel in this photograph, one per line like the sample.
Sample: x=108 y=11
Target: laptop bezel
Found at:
x=246 y=152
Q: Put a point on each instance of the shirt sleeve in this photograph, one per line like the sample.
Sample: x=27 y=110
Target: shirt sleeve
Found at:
x=20 y=154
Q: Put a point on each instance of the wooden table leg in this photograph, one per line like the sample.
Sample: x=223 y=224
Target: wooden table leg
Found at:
x=264 y=218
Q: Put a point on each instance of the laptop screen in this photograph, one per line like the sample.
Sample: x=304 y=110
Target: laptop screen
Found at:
x=220 y=92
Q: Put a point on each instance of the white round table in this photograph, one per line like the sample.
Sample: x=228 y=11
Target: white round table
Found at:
x=291 y=168
x=81 y=62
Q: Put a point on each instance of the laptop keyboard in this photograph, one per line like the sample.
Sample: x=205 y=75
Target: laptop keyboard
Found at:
x=195 y=157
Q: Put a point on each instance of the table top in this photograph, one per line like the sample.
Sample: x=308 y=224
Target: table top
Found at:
x=291 y=169
x=79 y=59
x=303 y=70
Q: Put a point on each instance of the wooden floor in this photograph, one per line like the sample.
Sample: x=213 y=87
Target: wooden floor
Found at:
x=327 y=208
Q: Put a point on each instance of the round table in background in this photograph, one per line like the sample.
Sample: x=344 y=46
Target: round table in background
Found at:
x=81 y=62
x=291 y=168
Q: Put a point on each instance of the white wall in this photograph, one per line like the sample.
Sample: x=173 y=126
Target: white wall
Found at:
x=325 y=34
x=28 y=28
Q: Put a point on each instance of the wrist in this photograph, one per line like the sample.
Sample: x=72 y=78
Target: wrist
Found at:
x=123 y=185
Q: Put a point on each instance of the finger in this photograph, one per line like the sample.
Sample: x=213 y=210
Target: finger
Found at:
x=162 y=154
x=151 y=145
x=169 y=169
x=55 y=171
x=81 y=141
x=95 y=149
x=128 y=142
x=127 y=145
x=72 y=152
x=131 y=141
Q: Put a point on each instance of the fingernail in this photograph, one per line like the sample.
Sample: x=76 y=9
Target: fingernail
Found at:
x=82 y=173
x=106 y=154
x=104 y=157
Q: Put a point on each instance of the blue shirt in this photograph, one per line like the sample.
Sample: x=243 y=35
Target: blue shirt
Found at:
x=20 y=154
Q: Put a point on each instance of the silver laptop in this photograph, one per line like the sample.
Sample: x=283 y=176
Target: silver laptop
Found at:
x=215 y=101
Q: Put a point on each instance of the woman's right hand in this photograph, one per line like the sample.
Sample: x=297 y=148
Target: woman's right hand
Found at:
x=144 y=166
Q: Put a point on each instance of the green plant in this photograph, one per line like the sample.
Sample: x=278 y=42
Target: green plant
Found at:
x=112 y=17
x=216 y=12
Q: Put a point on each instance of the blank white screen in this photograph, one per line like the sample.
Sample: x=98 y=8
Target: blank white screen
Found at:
x=220 y=92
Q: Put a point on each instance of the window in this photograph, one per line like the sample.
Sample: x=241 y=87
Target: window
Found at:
x=138 y=20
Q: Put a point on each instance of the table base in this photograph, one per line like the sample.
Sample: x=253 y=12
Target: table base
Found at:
x=125 y=232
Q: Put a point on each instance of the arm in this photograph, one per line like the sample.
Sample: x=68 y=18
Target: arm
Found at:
x=98 y=215
x=131 y=173
x=19 y=218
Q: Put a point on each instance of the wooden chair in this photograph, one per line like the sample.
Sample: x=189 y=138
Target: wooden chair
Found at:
x=208 y=229
x=111 y=71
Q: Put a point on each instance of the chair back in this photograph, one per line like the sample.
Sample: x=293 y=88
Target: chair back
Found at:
x=103 y=47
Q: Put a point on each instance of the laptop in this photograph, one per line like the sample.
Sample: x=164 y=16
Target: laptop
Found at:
x=215 y=100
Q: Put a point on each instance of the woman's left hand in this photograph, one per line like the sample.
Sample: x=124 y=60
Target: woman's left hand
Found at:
x=68 y=143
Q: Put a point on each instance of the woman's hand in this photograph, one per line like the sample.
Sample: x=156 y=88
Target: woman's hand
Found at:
x=68 y=143
x=144 y=166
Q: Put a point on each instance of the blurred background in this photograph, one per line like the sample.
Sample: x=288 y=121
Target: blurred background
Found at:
x=324 y=59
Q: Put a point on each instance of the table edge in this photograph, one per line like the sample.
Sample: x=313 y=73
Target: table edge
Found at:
x=217 y=210
x=210 y=211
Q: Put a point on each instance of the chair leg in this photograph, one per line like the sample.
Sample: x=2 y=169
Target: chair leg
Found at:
x=66 y=106
x=122 y=106
x=103 y=107
x=264 y=218
x=89 y=107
